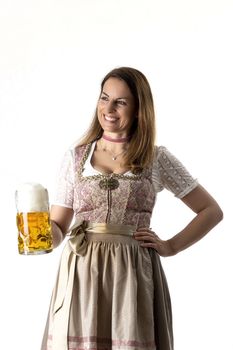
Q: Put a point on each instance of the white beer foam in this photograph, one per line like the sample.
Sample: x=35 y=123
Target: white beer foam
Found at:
x=31 y=197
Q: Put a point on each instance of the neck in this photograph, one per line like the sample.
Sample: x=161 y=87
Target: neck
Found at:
x=117 y=139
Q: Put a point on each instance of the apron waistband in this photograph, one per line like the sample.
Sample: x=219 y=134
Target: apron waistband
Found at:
x=117 y=229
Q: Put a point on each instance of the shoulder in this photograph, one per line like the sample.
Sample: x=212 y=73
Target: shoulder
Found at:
x=161 y=152
x=164 y=157
x=169 y=172
x=80 y=150
x=76 y=152
x=71 y=159
x=161 y=155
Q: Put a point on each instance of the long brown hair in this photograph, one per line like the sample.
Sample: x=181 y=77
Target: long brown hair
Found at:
x=140 y=152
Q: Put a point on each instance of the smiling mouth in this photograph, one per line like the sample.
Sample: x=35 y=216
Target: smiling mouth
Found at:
x=110 y=119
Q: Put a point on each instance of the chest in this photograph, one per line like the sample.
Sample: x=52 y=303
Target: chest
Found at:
x=124 y=198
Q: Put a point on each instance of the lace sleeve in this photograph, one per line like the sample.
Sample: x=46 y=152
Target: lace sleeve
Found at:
x=65 y=186
x=170 y=173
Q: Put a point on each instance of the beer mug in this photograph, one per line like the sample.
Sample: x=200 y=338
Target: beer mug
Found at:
x=33 y=219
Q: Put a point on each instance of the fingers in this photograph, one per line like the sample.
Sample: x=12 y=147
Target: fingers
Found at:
x=149 y=245
x=144 y=229
x=149 y=238
x=144 y=233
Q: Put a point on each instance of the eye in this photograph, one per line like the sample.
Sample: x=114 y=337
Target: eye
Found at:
x=103 y=98
x=121 y=102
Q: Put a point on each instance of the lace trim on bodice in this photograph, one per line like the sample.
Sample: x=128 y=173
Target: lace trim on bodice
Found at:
x=86 y=158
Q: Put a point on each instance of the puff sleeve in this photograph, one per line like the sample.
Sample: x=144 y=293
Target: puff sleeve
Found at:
x=168 y=172
x=65 y=186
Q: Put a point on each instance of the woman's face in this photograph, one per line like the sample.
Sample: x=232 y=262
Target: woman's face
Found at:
x=116 y=107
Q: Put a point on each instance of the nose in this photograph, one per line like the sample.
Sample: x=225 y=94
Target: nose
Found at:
x=110 y=107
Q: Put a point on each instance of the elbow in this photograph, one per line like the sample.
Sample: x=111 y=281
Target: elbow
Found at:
x=217 y=214
x=221 y=215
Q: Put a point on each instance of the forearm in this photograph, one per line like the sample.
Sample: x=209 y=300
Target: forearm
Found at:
x=61 y=218
x=57 y=234
x=203 y=222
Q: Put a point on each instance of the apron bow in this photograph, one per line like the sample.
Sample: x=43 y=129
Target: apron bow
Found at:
x=77 y=239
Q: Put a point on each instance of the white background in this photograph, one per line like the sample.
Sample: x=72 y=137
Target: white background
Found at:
x=53 y=55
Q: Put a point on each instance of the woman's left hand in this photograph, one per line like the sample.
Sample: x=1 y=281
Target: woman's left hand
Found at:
x=150 y=240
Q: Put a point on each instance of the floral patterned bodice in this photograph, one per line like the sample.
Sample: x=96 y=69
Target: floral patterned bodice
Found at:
x=120 y=199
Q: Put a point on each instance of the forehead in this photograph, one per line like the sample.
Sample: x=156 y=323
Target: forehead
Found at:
x=117 y=88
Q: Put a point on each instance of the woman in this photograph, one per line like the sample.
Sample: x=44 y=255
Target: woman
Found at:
x=111 y=292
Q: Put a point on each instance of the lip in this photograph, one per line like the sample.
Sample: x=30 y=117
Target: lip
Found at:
x=110 y=119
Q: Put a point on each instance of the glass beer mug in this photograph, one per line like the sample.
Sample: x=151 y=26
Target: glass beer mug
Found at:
x=33 y=220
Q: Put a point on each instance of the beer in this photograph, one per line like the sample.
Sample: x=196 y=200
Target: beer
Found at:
x=34 y=232
x=33 y=220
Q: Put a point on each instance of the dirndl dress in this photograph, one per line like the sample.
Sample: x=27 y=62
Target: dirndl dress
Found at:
x=110 y=292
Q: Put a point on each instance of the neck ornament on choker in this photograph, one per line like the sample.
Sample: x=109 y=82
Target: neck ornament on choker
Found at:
x=117 y=140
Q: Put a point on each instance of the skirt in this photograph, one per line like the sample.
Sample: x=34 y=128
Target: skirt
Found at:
x=110 y=293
